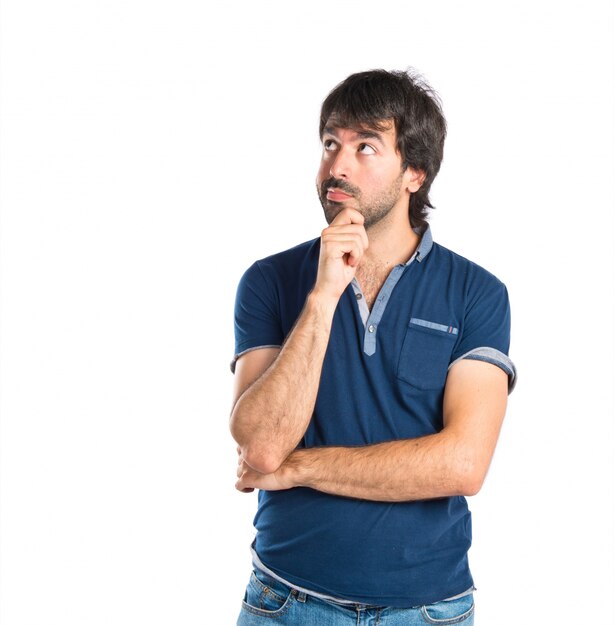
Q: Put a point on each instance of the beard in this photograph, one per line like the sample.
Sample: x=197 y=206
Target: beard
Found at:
x=374 y=210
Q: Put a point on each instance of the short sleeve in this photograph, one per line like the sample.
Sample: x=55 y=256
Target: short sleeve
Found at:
x=256 y=318
x=486 y=328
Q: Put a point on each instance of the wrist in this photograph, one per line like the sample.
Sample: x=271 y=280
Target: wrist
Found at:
x=322 y=303
x=296 y=467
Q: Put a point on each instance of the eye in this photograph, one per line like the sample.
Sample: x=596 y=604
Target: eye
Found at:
x=329 y=145
x=365 y=148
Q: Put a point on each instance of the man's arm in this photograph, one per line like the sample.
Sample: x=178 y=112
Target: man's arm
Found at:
x=275 y=393
x=271 y=414
x=451 y=462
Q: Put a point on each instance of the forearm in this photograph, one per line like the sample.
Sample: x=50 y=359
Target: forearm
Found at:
x=451 y=462
x=271 y=416
x=434 y=466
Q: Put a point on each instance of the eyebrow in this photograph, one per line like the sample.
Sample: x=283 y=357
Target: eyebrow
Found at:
x=362 y=134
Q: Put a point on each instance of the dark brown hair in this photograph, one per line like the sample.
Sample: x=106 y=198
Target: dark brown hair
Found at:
x=371 y=99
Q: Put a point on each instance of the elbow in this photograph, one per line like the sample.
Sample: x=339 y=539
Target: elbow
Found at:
x=262 y=460
x=471 y=485
x=470 y=479
x=467 y=468
x=259 y=455
x=236 y=432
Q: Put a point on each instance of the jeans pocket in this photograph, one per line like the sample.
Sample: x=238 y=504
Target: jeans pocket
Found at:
x=266 y=596
x=459 y=611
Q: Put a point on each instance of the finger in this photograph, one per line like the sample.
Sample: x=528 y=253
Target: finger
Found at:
x=244 y=482
x=348 y=216
x=353 y=259
x=364 y=237
x=239 y=487
x=347 y=229
x=354 y=229
x=342 y=237
x=339 y=246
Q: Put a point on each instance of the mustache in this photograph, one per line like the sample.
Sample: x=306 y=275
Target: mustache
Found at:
x=338 y=184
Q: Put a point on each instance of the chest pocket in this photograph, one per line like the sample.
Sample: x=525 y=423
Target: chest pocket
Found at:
x=425 y=354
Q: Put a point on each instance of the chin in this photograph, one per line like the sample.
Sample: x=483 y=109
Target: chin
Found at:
x=331 y=210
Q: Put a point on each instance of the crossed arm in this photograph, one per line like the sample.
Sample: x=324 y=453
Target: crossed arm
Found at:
x=275 y=393
x=452 y=462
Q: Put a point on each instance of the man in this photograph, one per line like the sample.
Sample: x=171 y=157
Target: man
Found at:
x=371 y=383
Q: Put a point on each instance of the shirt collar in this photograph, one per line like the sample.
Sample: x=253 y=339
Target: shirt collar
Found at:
x=426 y=243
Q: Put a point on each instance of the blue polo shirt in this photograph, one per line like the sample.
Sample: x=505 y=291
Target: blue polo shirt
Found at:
x=383 y=379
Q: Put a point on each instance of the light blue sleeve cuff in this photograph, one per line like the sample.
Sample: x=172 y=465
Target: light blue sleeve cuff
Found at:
x=496 y=357
x=233 y=363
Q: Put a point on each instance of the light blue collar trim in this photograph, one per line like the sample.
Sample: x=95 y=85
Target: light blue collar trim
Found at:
x=426 y=244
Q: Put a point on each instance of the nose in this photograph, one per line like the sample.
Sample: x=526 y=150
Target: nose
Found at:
x=340 y=166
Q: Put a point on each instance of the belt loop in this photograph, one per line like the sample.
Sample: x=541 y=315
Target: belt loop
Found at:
x=301 y=596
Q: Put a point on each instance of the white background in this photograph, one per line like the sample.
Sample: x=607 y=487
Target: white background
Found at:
x=150 y=151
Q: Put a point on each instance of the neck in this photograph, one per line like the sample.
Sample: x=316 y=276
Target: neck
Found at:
x=390 y=242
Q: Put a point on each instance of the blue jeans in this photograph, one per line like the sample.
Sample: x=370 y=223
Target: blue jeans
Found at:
x=268 y=601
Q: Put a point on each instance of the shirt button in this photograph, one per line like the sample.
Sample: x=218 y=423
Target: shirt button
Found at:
x=358 y=296
x=371 y=328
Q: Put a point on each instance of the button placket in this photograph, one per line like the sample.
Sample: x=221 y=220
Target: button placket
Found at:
x=370 y=336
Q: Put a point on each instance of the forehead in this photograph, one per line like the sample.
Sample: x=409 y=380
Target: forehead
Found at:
x=384 y=130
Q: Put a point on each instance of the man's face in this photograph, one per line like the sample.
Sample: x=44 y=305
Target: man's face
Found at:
x=361 y=169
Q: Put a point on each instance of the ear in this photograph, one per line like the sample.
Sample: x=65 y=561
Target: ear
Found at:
x=413 y=179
